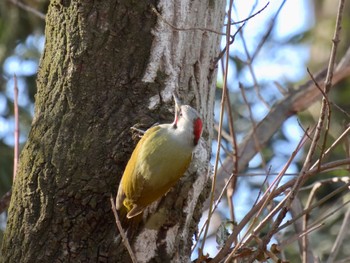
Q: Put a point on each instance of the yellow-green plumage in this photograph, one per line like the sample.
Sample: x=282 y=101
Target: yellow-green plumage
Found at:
x=159 y=160
x=152 y=171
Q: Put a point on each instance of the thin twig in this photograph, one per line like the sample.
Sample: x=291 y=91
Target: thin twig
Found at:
x=250 y=16
x=212 y=195
x=232 y=185
x=223 y=51
x=302 y=175
x=298 y=100
x=28 y=8
x=215 y=207
x=328 y=110
x=249 y=63
x=332 y=212
x=296 y=208
x=270 y=196
x=341 y=109
x=343 y=179
x=254 y=126
x=261 y=187
x=121 y=232
x=184 y=29
x=224 y=134
x=317 y=204
x=268 y=31
x=250 y=58
x=16 y=133
x=5 y=201
x=226 y=248
x=221 y=54
x=330 y=71
x=229 y=193
x=341 y=235
x=305 y=240
x=267 y=197
x=300 y=235
x=6 y=198
x=342 y=136
x=335 y=40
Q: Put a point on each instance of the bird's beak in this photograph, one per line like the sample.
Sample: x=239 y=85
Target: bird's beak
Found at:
x=177 y=102
x=177 y=107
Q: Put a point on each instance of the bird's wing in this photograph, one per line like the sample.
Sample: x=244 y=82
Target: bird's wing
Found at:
x=161 y=169
x=132 y=182
x=120 y=197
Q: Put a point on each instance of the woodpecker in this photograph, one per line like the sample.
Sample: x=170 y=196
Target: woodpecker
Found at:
x=159 y=160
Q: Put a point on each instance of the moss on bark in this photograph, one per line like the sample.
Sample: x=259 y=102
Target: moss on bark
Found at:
x=89 y=94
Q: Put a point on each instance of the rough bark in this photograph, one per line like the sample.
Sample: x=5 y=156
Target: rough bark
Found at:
x=107 y=66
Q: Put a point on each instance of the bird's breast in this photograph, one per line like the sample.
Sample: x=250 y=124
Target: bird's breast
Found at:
x=162 y=161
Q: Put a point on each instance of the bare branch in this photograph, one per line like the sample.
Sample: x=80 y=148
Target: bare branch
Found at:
x=121 y=231
x=5 y=201
x=28 y=9
x=232 y=185
x=184 y=29
x=251 y=16
x=298 y=100
x=296 y=209
x=340 y=237
x=226 y=249
x=16 y=133
x=338 y=140
x=222 y=109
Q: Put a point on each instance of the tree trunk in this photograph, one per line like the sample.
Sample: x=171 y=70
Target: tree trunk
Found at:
x=107 y=66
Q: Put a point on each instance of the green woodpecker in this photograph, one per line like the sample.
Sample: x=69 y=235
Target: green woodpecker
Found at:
x=159 y=160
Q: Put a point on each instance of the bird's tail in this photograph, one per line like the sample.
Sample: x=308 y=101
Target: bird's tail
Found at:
x=129 y=225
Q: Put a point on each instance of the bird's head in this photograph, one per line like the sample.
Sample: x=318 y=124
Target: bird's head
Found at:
x=187 y=120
